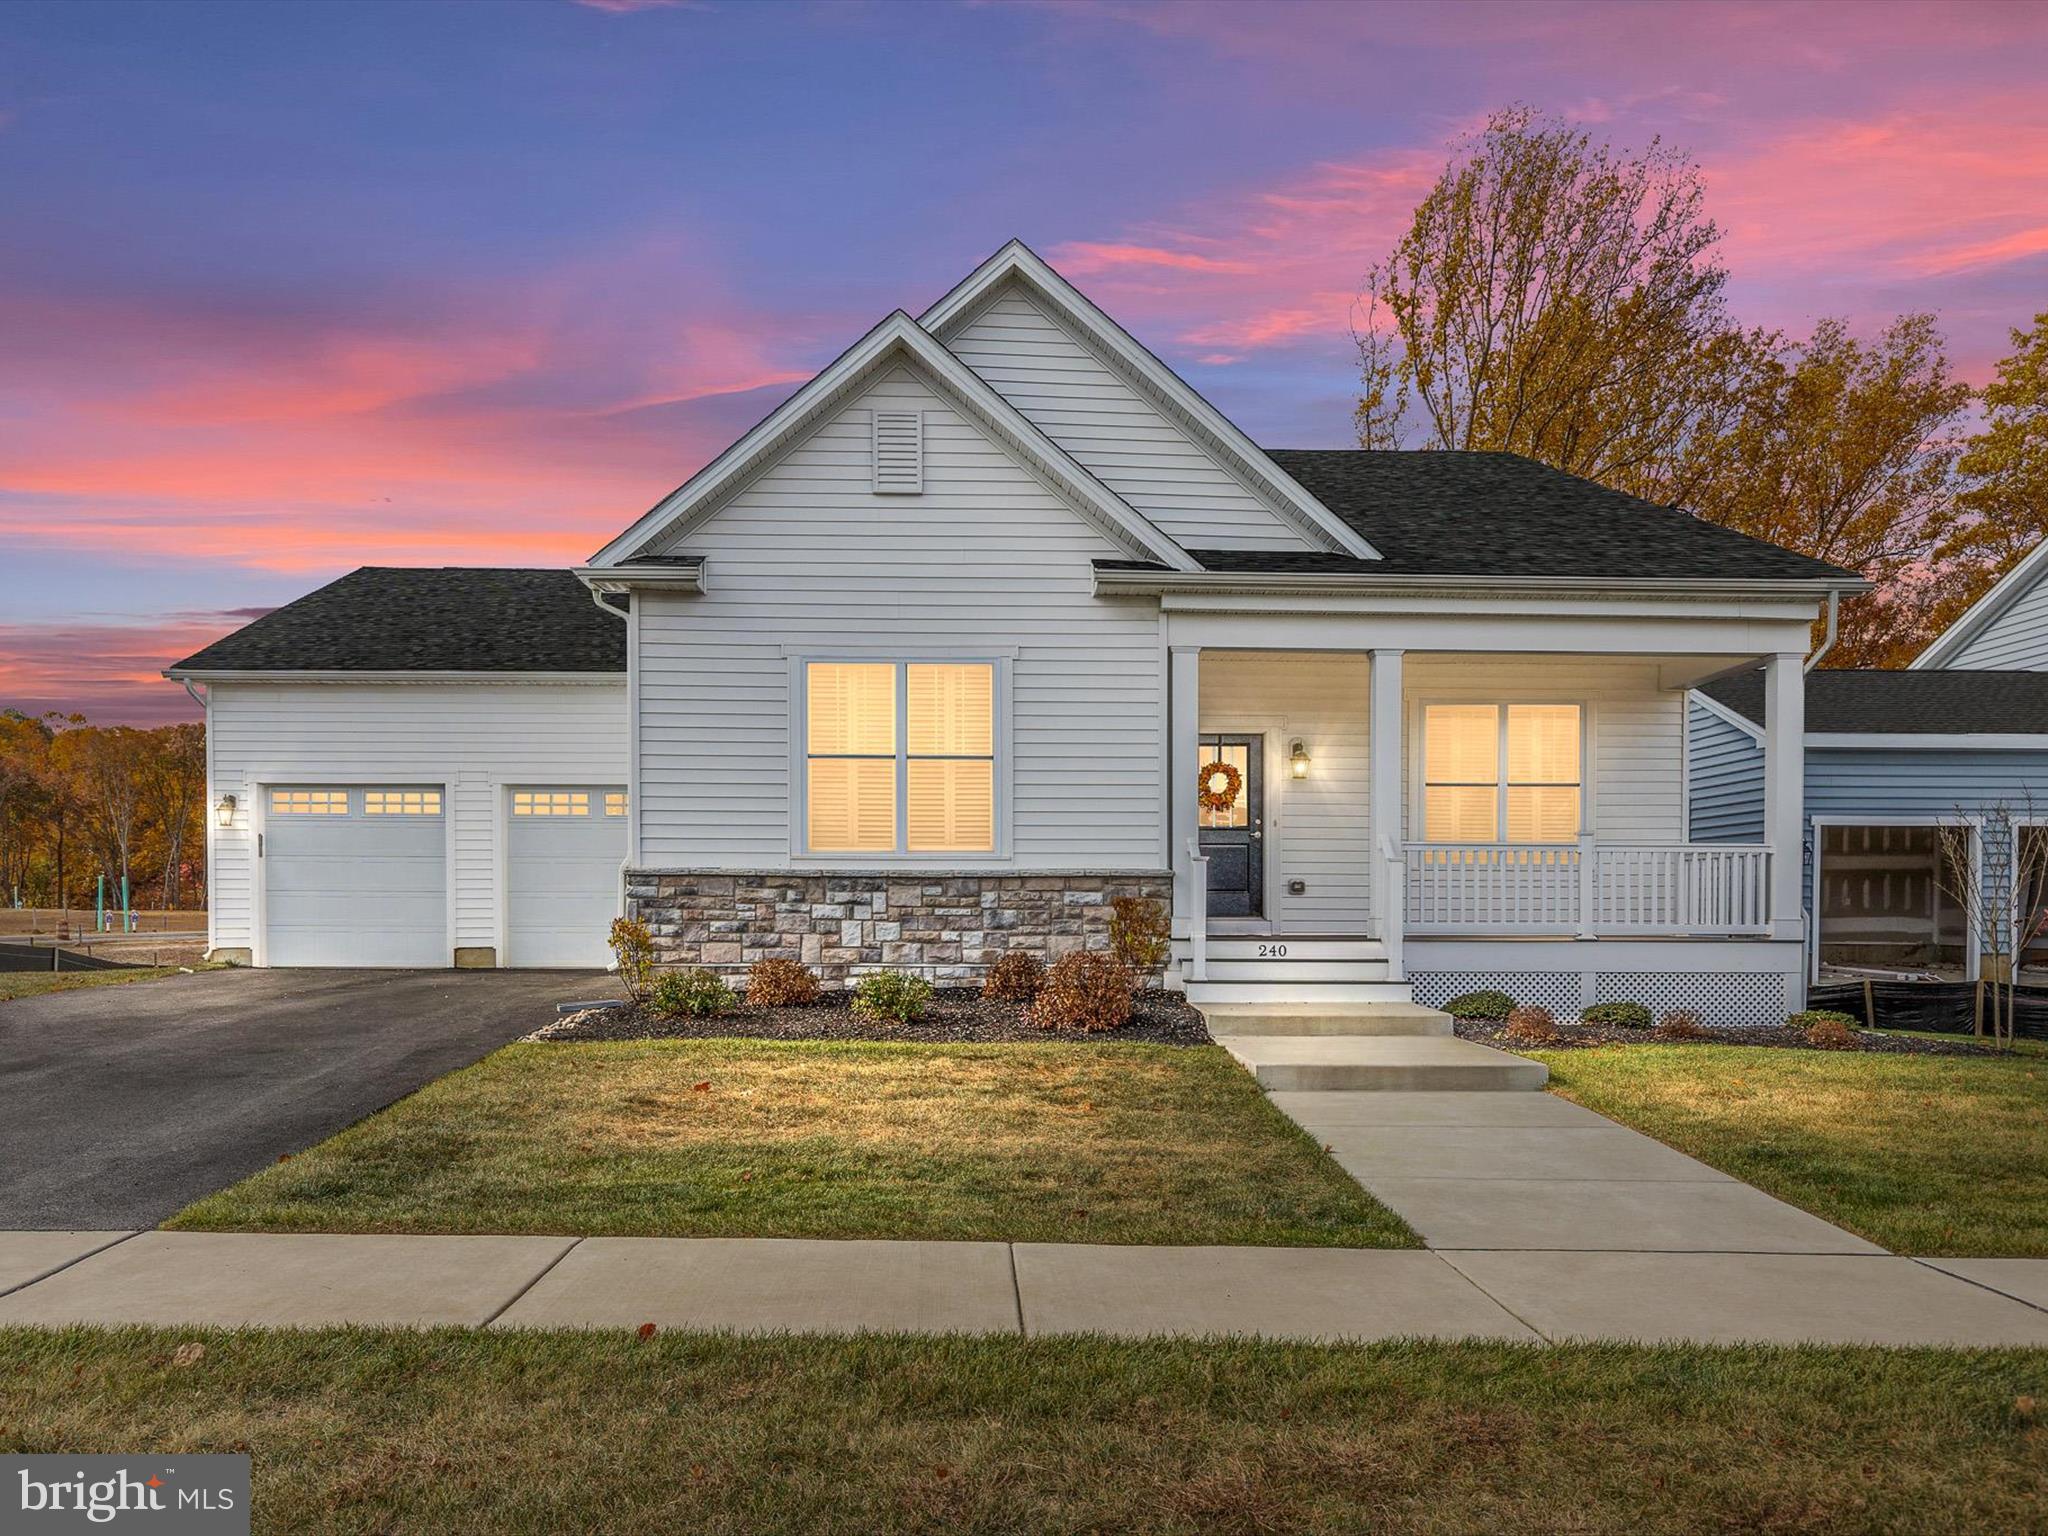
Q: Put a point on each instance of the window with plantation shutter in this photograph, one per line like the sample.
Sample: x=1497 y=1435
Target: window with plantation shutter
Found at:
x=900 y=757
x=1502 y=773
x=899 y=453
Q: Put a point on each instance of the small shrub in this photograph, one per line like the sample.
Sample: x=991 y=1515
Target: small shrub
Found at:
x=1831 y=1035
x=633 y=949
x=1618 y=1015
x=1813 y=1016
x=1532 y=1026
x=781 y=984
x=1480 y=1005
x=896 y=996
x=1015 y=977
x=1139 y=935
x=1087 y=990
x=1680 y=1024
x=698 y=994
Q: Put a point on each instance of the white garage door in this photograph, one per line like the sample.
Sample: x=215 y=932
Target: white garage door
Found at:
x=564 y=846
x=355 y=875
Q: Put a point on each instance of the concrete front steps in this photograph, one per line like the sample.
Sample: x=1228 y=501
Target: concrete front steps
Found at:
x=1323 y=1046
x=1384 y=1063
x=1325 y=1017
x=1265 y=968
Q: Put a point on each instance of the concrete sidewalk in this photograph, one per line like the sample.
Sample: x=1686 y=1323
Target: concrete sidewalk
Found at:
x=1531 y=1171
x=754 y=1285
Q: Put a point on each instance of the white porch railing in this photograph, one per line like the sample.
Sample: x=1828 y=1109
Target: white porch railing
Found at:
x=1198 y=911
x=1588 y=889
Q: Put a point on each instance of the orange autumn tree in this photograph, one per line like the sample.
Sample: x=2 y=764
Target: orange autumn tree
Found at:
x=1558 y=298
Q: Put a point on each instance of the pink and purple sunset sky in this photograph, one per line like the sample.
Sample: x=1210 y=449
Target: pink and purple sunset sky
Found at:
x=290 y=289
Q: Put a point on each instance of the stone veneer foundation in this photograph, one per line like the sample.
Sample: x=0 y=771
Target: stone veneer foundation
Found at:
x=947 y=928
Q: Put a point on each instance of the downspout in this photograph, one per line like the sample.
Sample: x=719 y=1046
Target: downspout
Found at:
x=1827 y=639
x=632 y=736
x=206 y=817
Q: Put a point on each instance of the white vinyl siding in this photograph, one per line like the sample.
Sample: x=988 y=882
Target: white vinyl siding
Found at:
x=1635 y=731
x=1322 y=824
x=466 y=738
x=807 y=562
x=1090 y=409
x=2015 y=641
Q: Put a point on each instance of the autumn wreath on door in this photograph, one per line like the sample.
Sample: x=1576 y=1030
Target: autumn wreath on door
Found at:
x=1220 y=785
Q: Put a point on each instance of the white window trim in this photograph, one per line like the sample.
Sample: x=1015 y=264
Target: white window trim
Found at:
x=800 y=851
x=1418 y=808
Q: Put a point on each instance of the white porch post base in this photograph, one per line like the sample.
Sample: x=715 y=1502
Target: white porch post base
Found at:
x=1785 y=790
x=1383 y=803
x=1184 y=745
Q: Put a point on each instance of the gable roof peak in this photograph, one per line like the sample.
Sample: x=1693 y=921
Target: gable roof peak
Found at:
x=1015 y=261
x=895 y=333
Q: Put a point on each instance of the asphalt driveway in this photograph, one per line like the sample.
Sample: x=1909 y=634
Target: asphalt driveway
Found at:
x=120 y=1105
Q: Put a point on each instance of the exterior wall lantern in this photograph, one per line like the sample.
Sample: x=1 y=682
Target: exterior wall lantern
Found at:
x=1297 y=760
x=224 y=813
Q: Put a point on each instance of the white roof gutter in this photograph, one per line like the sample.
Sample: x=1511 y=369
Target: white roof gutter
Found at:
x=1357 y=584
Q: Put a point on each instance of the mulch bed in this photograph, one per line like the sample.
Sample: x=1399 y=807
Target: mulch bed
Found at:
x=1580 y=1036
x=955 y=1016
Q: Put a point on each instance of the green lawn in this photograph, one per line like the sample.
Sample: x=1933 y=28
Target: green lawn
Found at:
x=1035 y=1142
x=1922 y=1154
x=15 y=984
x=718 y=1436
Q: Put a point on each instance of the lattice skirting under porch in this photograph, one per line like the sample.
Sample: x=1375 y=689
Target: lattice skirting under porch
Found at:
x=1718 y=997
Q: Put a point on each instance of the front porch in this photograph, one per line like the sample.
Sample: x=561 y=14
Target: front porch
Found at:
x=1398 y=824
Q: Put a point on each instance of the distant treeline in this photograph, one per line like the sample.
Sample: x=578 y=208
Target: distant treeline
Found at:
x=78 y=801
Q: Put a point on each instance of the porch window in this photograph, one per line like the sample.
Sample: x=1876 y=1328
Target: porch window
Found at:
x=1502 y=773
x=900 y=757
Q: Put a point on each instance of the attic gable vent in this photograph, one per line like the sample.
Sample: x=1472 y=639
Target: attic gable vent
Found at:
x=899 y=453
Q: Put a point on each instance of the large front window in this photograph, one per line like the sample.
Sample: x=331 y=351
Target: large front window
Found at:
x=899 y=757
x=1502 y=773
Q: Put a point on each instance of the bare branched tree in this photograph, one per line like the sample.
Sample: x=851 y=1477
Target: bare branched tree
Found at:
x=2000 y=895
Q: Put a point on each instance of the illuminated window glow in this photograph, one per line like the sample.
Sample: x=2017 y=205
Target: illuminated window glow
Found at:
x=900 y=757
x=401 y=802
x=309 y=802
x=1502 y=773
x=550 y=802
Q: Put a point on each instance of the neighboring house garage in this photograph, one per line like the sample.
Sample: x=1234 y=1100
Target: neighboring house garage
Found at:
x=427 y=769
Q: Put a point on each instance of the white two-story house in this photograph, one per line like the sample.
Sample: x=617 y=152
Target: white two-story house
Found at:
x=997 y=619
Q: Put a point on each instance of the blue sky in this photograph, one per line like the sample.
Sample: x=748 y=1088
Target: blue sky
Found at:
x=292 y=288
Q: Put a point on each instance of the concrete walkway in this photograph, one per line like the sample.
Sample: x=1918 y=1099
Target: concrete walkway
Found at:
x=1530 y=1171
x=195 y=1279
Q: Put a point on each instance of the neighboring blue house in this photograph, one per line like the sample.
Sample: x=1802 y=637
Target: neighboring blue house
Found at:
x=1891 y=756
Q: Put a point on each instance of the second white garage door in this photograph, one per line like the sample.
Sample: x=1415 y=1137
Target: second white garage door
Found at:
x=355 y=874
x=564 y=846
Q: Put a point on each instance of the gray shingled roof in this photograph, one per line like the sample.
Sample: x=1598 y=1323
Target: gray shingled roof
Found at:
x=1905 y=703
x=446 y=619
x=1499 y=514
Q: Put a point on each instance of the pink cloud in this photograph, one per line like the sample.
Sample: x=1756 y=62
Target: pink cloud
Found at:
x=107 y=671
x=1083 y=256
x=522 y=423
x=1909 y=192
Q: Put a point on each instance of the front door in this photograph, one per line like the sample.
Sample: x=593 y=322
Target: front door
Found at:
x=1231 y=813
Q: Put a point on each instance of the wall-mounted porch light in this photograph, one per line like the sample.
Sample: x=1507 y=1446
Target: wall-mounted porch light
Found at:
x=1297 y=760
x=224 y=813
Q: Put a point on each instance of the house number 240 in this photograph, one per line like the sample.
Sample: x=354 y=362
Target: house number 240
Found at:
x=1272 y=951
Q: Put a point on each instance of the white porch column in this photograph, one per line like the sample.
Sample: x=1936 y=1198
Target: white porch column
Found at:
x=1389 y=885
x=1785 y=788
x=1183 y=757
